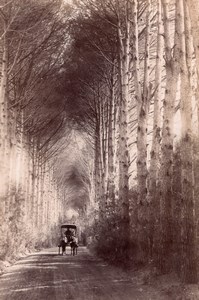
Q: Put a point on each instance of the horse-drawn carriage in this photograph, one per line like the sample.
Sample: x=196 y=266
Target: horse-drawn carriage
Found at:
x=68 y=238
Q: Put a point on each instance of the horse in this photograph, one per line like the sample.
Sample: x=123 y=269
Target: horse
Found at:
x=74 y=247
x=62 y=245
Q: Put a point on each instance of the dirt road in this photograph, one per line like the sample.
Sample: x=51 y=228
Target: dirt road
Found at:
x=45 y=275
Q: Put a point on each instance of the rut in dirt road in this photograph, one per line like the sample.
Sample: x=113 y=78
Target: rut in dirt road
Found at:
x=47 y=275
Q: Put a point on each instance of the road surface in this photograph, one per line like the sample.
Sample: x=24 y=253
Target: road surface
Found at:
x=47 y=276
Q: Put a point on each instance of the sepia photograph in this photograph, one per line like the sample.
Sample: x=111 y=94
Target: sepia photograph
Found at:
x=99 y=149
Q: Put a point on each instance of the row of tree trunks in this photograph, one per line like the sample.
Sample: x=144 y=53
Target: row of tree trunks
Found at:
x=28 y=194
x=127 y=73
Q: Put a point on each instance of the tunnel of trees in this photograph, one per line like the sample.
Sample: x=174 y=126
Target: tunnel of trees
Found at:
x=99 y=115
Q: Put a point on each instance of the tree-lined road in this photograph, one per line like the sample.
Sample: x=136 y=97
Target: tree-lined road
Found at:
x=99 y=115
x=46 y=275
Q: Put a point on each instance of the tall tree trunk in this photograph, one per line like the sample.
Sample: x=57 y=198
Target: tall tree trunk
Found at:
x=123 y=149
x=102 y=157
x=189 y=246
x=99 y=179
x=4 y=126
x=34 y=187
x=156 y=138
x=166 y=170
x=193 y=6
x=111 y=173
x=142 y=98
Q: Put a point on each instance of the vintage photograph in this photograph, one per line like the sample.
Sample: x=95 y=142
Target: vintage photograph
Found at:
x=99 y=149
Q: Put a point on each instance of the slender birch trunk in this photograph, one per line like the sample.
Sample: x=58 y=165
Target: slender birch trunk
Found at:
x=3 y=125
x=111 y=171
x=102 y=157
x=34 y=187
x=188 y=235
x=123 y=149
x=193 y=6
x=138 y=97
x=143 y=98
x=156 y=138
x=97 y=172
x=99 y=179
x=166 y=171
x=41 y=192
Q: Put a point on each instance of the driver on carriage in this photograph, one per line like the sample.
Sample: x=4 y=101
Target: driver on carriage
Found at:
x=68 y=233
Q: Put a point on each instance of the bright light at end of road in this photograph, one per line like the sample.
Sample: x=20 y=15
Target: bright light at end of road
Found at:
x=71 y=213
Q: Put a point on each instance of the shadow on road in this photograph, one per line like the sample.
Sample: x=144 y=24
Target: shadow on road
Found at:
x=47 y=275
